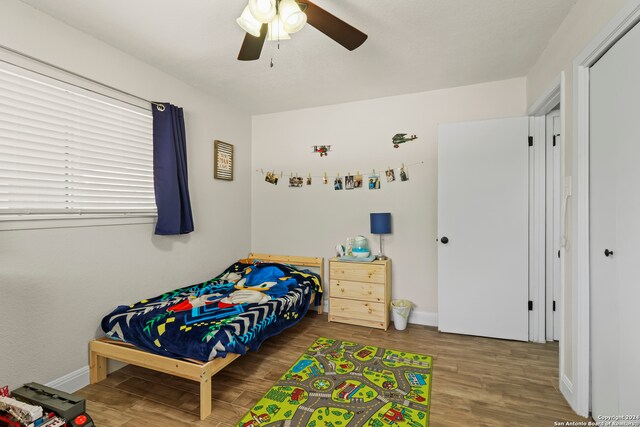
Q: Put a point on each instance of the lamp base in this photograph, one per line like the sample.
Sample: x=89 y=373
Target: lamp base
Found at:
x=381 y=256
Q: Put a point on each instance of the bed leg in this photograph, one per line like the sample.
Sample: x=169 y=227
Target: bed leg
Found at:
x=321 y=308
x=205 y=394
x=97 y=367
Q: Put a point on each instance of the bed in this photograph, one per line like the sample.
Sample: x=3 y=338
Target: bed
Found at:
x=196 y=331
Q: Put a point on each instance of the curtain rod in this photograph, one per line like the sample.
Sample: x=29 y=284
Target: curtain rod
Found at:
x=159 y=106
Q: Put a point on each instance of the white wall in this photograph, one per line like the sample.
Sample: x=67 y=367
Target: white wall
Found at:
x=312 y=220
x=57 y=284
x=581 y=25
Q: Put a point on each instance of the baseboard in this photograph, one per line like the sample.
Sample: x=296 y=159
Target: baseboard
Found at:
x=566 y=388
x=423 y=318
x=566 y=384
x=76 y=380
x=71 y=382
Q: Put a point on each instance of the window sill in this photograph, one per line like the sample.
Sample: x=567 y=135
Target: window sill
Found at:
x=36 y=222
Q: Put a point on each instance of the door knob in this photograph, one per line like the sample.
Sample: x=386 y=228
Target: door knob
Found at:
x=445 y=240
x=607 y=252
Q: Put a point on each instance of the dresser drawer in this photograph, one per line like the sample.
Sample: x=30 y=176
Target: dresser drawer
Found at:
x=371 y=273
x=356 y=290
x=380 y=324
x=363 y=310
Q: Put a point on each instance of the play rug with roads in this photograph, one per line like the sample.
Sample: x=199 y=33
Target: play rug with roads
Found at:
x=339 y=383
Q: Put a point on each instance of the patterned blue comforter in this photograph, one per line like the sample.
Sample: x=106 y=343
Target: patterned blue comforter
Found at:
x=238 y=309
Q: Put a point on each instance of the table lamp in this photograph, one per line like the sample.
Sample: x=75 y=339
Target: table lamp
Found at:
x=380 y=224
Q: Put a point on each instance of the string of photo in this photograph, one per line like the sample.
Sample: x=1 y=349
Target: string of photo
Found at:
x=350 y=181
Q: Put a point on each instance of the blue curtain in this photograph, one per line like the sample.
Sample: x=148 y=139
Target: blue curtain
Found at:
x=170 y=171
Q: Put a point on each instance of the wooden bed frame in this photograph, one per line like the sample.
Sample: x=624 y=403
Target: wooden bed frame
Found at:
x=102 y=349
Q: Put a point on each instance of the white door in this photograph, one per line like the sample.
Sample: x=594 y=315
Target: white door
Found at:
x=483 y=202
x=553 y=223
x=615 y=227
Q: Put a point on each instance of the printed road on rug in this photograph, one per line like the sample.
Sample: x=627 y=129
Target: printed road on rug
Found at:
x=339 y=383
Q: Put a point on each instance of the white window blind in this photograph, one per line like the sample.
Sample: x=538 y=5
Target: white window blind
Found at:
x=67 y=150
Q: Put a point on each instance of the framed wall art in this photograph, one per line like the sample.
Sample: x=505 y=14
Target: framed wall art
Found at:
x=222 y=160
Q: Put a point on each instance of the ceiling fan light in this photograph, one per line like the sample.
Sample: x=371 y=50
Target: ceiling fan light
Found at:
x=276 y=31
x=292 y=17
x=263 y=10
x=248 y=23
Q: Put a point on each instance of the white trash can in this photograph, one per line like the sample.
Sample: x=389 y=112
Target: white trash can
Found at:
x=400 y=309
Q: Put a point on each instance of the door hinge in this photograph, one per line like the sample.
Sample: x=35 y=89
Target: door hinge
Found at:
x=530 y=141
x=530 y=305
x=554 y=306
x=558 y=253
x=554 y=140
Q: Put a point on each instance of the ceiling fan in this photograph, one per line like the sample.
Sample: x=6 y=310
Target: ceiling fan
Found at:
x=276 y=19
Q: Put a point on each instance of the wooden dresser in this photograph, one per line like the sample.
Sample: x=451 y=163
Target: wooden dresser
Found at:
x=360 y=293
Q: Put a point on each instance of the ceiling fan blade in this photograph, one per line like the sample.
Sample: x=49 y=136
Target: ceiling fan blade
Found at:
x=252 y=45
x=334 y=27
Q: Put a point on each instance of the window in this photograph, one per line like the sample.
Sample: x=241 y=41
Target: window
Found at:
x=66 y=151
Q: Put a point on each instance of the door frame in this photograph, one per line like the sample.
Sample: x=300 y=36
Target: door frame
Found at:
x=580 y=396
x=554 y=221
x=553 y=96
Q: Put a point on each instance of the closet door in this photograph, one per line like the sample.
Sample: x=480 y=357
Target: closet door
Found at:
x=615 y=228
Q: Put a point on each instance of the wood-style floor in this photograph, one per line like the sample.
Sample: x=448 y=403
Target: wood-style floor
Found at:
x=476 y=381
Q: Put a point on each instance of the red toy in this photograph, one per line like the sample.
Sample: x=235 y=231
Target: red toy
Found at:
x=8 y=421
x=323 y=150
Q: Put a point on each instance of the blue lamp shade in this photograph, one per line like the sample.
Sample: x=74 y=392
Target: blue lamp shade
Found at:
x=380 y=223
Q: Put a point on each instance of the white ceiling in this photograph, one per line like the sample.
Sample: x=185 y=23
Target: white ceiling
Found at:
x=413 y=46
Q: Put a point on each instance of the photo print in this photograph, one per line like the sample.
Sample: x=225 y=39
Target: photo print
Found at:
x=337 y=184
x=404 y=176
x=296 y=181
x=357 y=182
x=374 y=182
x=271 y=178
x=349 y=182
x=391 y=175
